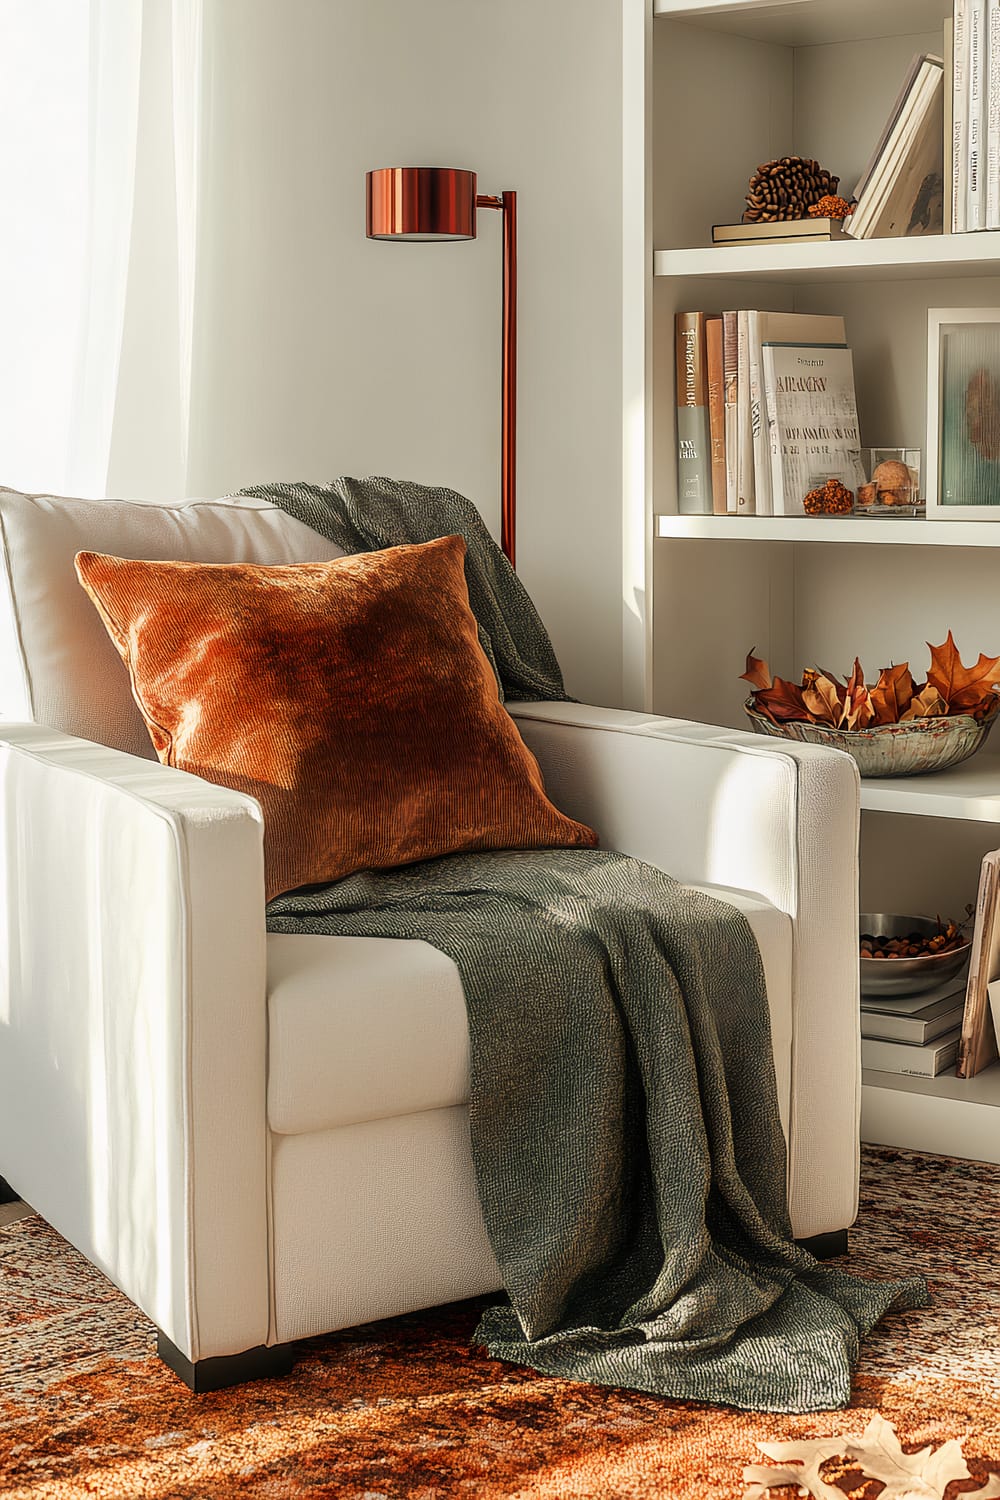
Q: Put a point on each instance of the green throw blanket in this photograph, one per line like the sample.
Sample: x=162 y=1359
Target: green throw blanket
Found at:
x=625 y=1132
x=363 y=515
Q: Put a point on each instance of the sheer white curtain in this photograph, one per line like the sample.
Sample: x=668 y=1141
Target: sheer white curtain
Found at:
x=100 y=117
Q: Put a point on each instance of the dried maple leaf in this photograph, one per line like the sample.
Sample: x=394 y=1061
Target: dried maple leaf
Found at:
x=757 y=673
x=963 y=688
x=928 y=704
x=781 y=702
x=892 y=694
x=822 y=699
x=858 y=712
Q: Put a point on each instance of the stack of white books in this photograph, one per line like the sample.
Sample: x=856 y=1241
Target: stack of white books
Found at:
x=916 y=1034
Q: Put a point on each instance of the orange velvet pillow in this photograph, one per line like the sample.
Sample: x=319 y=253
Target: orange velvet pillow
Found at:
x=351 y=698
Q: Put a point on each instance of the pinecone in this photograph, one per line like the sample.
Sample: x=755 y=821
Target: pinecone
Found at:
x=786 y=188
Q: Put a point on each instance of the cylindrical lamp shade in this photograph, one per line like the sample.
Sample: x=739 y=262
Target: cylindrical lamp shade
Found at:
x=421 y=203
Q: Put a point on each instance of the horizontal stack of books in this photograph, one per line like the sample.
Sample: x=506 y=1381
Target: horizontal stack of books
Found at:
x=916 y=1034
x=766 y=411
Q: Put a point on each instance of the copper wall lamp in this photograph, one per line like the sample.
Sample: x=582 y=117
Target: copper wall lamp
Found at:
x=439 y=203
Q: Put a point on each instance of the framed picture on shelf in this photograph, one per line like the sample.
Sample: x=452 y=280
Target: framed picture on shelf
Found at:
x=963 y=413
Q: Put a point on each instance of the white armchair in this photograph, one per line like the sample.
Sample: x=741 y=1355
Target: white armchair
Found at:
x=264 y=1138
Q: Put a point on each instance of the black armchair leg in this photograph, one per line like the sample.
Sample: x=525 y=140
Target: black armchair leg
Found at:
x=215 y=1374
x=826 y=1246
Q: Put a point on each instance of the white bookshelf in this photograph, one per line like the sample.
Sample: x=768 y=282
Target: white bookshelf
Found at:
x=814 y=78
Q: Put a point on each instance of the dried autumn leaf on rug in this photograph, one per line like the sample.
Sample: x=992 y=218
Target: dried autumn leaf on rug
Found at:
x=821 y=698
x=878 y=1454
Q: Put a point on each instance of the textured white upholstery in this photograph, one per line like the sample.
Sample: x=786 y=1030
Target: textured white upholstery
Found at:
x=57 y=664
x=374 y=1220
x=367 y=1028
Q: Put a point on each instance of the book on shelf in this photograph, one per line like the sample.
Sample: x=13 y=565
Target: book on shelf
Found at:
x=976 y=120
x=812 y=420
x=730 y=375
x=979 y=1042
x=716 y=412
x=746 y=500
x=904 y=1057
x=782 y=231
x=993 y=115
x=694 y=462
x=959 y=115
x=928 y=1020
x=947 y=134
x=901 y=191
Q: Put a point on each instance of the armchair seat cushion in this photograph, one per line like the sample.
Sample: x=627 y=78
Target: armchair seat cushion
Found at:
x=372 y=1028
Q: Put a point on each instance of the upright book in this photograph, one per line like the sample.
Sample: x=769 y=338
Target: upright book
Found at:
x=716 y=412
x=993 y=115
x=694 y=445
x=730 y=378
x=812 y=421
x=977 y=124
x=979 y=1044
x=777 y=328
x=960 y=116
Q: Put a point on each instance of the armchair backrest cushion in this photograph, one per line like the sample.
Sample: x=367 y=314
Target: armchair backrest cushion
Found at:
x=57 y=665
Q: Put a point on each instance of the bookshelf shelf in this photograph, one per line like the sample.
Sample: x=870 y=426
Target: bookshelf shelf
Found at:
x=916 y=532
x=951 y=255
x=804 y=23
x=970 y=791
x=948 y=1115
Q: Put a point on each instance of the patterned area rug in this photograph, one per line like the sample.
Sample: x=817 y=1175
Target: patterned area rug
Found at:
x=407 y=1409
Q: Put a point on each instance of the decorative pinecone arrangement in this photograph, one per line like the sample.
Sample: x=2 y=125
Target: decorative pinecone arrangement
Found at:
x=786 y=188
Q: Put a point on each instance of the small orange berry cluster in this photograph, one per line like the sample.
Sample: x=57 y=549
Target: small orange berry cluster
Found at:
x=831 y=206
x=831 y=499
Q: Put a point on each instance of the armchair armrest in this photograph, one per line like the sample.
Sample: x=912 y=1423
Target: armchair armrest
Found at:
x=133 y=1027
x=717 y=806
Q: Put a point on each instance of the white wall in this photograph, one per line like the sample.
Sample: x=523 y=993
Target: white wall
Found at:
x=319 y=352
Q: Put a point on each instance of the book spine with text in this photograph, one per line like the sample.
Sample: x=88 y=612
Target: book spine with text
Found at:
x=730 y=372
x=948 y=165
x=745 y=501
x=694 y=464
x=959 y=116
x=976 y=188
x=758 y=421
x=992 y=157
x=716 y=412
